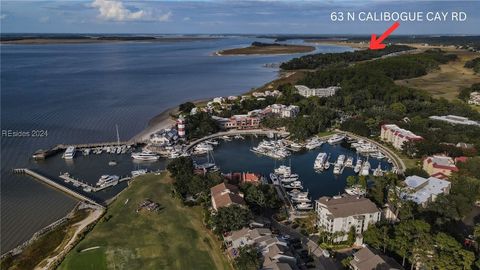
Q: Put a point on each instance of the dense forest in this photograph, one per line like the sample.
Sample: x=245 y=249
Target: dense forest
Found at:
x=321 y=60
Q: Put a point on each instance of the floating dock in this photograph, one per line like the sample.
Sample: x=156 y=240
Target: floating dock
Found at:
x=87 y=187
x=56 y=185
x=43 y=154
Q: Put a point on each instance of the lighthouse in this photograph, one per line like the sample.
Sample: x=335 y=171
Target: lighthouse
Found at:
x=181 y=126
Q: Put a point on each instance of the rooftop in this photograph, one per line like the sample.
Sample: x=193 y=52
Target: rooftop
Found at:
x=346 y=205
x=368 y=259
x=422 y=189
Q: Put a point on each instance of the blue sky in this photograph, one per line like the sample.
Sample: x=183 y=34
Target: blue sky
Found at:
x=229 y=16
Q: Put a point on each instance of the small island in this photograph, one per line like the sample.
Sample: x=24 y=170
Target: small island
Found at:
x=267 y=48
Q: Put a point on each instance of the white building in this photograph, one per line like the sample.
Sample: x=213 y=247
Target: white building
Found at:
x=219 y=100
x=474 y=98
x=165 y=137
x=318 y=92
x=340 y=213
x=283 y=110
x=455 y=120
x=397 y=136
x=422 y=190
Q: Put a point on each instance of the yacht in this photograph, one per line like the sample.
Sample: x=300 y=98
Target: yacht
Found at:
x=304 y=206
x=358 y=166
x=320 y=161
x=138 y=172
x=283 y=170
x=212 y=142
x=289 y=178
x=365 y=168
x=341 y=160
x=86 y=151
x=107 y=180
x=145 y=155
x=337 y=169
x=355 y=190
x=378 y=171
x=378 y=155
x=203 y=148
x=294 y=192
x=349 y=162
x=337 y=138
x=239 y=137
x=294 y=184
x=296 y=146
x=301 y=197
x=313 y=143
x=69 y=152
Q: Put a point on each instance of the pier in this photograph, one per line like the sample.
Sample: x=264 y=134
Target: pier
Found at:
x=43 y=154
x=56 y=185
x=87 y=187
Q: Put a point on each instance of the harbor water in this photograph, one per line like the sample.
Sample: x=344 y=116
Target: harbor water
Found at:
x=77 y=93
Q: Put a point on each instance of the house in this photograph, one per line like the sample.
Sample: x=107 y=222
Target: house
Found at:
x=439 y=166
x=397 y=136
x=455 y=120
x=224 y=195
x=370 y=259
x=316 y=92
x=219 y=100
x=242 y=121
x=283 y=111
x=340 y=213
x=422 y=190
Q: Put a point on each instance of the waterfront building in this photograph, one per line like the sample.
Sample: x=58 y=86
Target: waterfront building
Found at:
x=455 y=120
x=164 y=137
x=422 y=190
x=340 y=213
x=316 y=92
x=242 y=121
x=232 y=98
x=283 y=111
x=439 y=166
x=219 y=100
x=224 y=195
x=474 y=98
x=397 y=136
x=368 y=259
x=181 y=126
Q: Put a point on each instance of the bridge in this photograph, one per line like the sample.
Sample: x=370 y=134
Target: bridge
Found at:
x=236 y=132
x=56 y=185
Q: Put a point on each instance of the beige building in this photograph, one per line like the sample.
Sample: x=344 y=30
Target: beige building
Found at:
x=340 y=213
x=370 y=259
x=397 y=136
x=224 y=195
x=316 y=92
x=439 y=166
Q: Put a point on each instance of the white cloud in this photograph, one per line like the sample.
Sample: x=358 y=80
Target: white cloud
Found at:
x=114 y=10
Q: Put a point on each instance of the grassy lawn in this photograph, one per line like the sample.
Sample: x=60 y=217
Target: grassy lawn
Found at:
x=449 y=79
x=173 y=238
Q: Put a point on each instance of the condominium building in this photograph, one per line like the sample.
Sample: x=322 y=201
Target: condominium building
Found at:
x=422 y=191
x=455 y=120
x=316 y=92
x=242 y=121
x=341 y=213
x=283 y=111
x=439 y=166
x=397 y=136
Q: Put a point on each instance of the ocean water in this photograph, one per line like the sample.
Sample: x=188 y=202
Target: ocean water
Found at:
x=78 y=92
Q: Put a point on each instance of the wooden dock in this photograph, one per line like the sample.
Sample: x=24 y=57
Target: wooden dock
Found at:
x=43 y=154
x=87 y=187
x=56 y=185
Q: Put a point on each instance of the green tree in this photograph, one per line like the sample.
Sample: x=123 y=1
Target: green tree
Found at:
x=352 y=235
x=398 y=108
x=248 y=259
x=231 y=218
x=362 y=181
x=351 y=180
x=186 y=107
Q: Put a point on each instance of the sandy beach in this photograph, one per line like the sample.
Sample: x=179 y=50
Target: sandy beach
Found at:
x=157 y=123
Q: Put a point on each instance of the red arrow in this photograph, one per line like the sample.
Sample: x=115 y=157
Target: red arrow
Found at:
x=376 y=44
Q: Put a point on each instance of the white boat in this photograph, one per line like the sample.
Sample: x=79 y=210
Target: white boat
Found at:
x=337 y=138
x=304 y=206
x=349 y=162
x=355 y=190
x=226 y=138
x=300 y=197
x=289 y=178
x=326 y=166
x=145 y=155
x=313 y=143
x=378 y=155
x=239 y=137
x=283 y=170
x=337 y=169
x=296 y=146
x=138 y=172
x=295 y=184
x=320 y=161
x=69 y=152
x=340 y=160
x=107 y=180
x=86 y=151
x=203 y=148
x=378 y=171
x=274 y=178
x=212 y=142
x=365 y=168
x=358 y=166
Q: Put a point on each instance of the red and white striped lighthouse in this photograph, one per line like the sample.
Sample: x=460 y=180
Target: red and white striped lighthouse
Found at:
x=181 y=126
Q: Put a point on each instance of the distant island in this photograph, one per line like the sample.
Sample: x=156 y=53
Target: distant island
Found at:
x=267 y=48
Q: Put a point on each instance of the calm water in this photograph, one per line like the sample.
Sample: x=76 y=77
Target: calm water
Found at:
x=235 y=156
x=79 y=92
